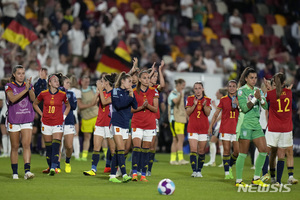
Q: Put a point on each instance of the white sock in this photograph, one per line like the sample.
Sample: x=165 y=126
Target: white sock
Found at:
x=221 y=151
x=5 y=144
x=76 y=146
x=227 y=173
x=213 y=151
x=9 y=145
x=255 y=155
x=238 y=180
x=256 y=177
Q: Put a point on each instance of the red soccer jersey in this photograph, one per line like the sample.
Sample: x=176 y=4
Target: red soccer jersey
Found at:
x=198 y=121
x=280 y=111
x=158 y=88
x=103 y=118
x=229 y=116
x=53 y=104
x=144 y=119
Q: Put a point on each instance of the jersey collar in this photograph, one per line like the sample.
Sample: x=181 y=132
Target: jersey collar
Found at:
x=15 y=83
x=54 y=93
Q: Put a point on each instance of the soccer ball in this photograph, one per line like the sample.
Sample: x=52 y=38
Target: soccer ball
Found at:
x=166 y=187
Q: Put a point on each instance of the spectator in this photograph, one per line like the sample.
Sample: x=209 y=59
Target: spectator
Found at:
x=62 y=66
x=169 y=9
x=32 y=71
x=2 y=64
x=102 y=6
x=231 y=66
x=51 y=69
x=186 y=12
x=148 y=17
x=89 y=21
x=10 y=10
x=43 y=54
x=211 y=66
x=236 y=25
x=79 y=10
x=108 y=30
x=197 y=62
x=185 y=65
x=58 y=20
x=161 y=40
x=94 y=46
x=117 y=19
x=200 y=13
x=68 y=15
x=64 y=39
x=268 y=72
x=295 y=31
x=76 y=38
x=45 y=27
x=147 y=37
x=194 y=38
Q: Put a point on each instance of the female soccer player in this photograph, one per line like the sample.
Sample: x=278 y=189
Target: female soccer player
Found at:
x=279 y=134
x=229 y=107
x=250 y=100
x=143 y=124
x=153 y=83
x=122 y=101
x=104 y=86
x=89 y=113
x=5 y=136
x=177 y=119
x=69 y=125
x=198 y=109
x=52 y=119
x=20 y=117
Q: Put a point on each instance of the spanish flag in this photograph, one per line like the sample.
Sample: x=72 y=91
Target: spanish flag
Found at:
x=20 y=31
x=115 y=61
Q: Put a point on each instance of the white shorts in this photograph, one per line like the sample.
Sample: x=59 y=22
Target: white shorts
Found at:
x=69 y=129
x=198 y=137
x=49 y=130
x=115 y=130
x=281 y=140
x=157 y=126
x=18 y=127
x=103 y=131
x=143 y=134
x=228 y=137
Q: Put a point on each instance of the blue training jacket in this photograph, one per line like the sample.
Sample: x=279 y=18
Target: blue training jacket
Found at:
x=70 y=119
x=121 y=107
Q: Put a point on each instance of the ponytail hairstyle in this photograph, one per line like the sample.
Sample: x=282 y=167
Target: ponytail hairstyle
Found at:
x=61 y=79
x=138 y=86
x=13 y=78
x=198 y=82
x=245 y=74
x=279 y=79
x=110 y=78
x=121 y=77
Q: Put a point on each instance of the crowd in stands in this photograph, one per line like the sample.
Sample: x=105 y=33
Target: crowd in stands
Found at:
x=196 y=36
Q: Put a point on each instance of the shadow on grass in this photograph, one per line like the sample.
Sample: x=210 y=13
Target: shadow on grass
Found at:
x=6 y=175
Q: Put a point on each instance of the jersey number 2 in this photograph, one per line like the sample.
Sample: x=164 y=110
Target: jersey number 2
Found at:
x=286 y=107
x=198 y=114
x=51 y=109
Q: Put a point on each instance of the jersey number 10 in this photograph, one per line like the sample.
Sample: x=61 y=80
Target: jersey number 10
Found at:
x=51 y=109
x=286 y=107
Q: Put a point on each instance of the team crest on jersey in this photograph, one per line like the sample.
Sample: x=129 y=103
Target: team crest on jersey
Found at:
x=10 y=126
x=240 y=92
x=117 y=130
x=133 y=129
x=23 y=103
x=283 y=93
x=199 y=107
x=43 y=128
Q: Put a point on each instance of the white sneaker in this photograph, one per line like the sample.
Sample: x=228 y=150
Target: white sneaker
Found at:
x=199 y=175
x=221 y=165
x=292 y=180
x=4 y=155
x=273 y=180
x=148 y=173
x=119 y=173
x=209 y=164
x=15 y=176
x=183 y=162
x=174 y=162
x=278 y=184
x=28 y=175
x=253 y=167
x=194 y=174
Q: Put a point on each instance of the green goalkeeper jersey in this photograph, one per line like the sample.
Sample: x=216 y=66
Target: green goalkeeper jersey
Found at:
x=251 y=116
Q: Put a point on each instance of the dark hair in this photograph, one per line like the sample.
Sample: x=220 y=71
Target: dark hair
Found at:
x=13 y=78
x=110 y=78
x=245 y=74
x=102 y=75
x=198 y=82
x=138 y=86
x=279 y=79
x=180 y=81
x=61 y=78
x=121 y=77
x=49 y=78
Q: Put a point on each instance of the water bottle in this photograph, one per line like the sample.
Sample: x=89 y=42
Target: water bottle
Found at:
x=233 y=105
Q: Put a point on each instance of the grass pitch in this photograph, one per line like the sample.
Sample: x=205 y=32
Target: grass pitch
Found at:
x=77 y=186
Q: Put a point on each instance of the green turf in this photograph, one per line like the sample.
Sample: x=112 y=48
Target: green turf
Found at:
x=78 y=186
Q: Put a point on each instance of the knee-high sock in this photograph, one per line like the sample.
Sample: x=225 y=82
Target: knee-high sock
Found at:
x=290 y=171
x=221 y=151
x=135 y=159
x=180 y=155
x=140 y=164
x=8 y=145
x=5 y=144
x=14 y=168
x=114 y=166
x=121 y=161
x=27 y=167
x=55 y=153
x=259 y=164
x=108 y=158
x=201 y=159
x=95 y=160
x=256 y=152
x=232 y=160
x=280 y=167
x=226 y=161
x=76 y=146
x=240 y=166
x=173 y=156
x=266 y=165
x=193 y=161
x=151 y=159
x=145 y=160
x=85 y=153
x=105 y=152
x=213 y=151
x=272 y=172
x=48 y=153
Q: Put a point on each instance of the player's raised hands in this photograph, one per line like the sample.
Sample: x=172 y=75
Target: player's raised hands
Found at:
x=257 y=94
x=204 y=102
x=195 y=101
x=162 y=64
x=28 y=83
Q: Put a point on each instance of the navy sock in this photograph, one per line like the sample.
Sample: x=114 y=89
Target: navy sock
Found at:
x=266 y=165
x=232 y=160
x=121 y=161
x=27 y=167
x=151 y=160
x=272 y=172
x=135 y=159
x=108 y=158
x=280 y=167
x=55 y=153
x=68 y=160
x=226 y=161
x=140 y=164
x=58 y=164
x=291 y=171
x=201 y=159
x=193 y=161
x=114 y=165
x=14 y=168
x=95 y=160
x=145 y=160
x=48 y=152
